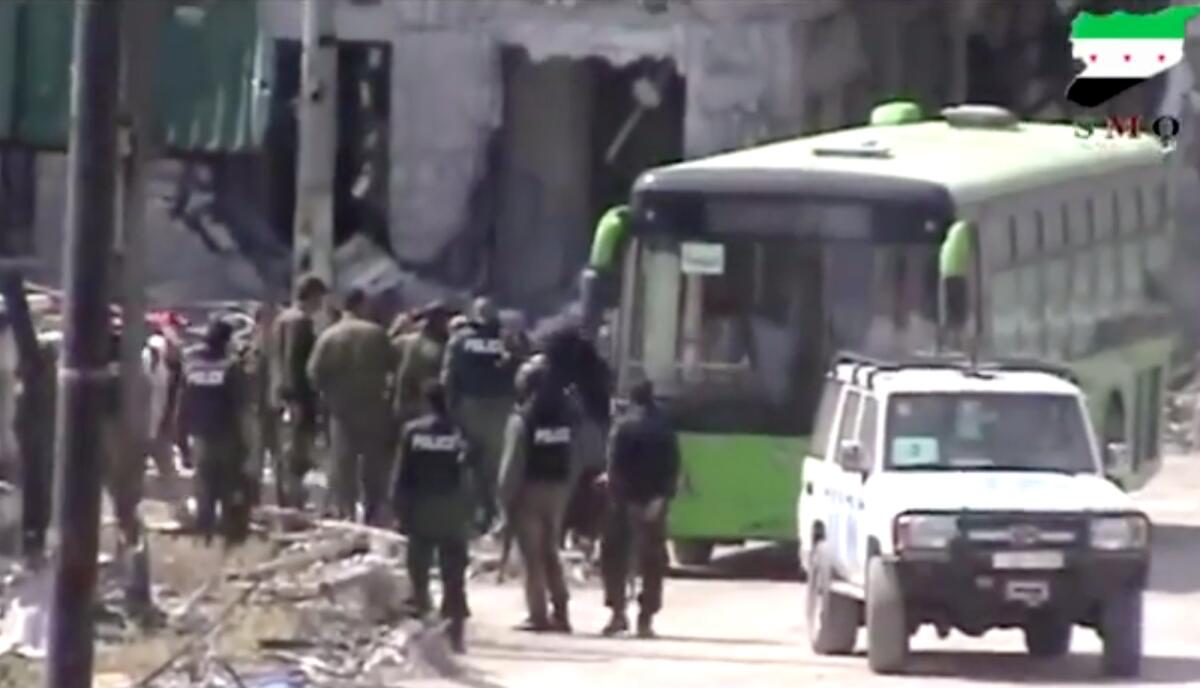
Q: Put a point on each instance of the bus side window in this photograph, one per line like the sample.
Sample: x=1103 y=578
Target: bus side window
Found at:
x=826 y=415
x=1030 y=282
x=1105 y=216
x=1132 y=207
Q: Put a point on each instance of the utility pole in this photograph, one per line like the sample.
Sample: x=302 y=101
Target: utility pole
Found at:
x=313 y=231
x=139 y=30
x=84 y=376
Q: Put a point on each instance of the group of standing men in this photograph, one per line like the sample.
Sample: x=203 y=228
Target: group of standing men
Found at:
x=452 y=415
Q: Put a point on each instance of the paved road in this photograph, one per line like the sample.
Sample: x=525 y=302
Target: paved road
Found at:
x=744 y=623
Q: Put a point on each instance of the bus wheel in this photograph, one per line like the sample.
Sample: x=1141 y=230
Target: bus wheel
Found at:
x=692 y=552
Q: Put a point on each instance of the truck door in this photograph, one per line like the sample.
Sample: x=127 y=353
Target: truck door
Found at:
x=813 y=502
x=843 y=498
x=853 y=483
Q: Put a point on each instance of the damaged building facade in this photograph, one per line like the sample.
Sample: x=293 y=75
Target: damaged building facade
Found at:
x=512 y=125
x=480 y=140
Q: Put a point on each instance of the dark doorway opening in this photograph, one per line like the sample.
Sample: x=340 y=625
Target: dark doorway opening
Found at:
x=575 y=135
x=364 y=125
x=637 y=125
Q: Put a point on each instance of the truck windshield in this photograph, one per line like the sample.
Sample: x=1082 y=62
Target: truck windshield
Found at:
x=995 y=431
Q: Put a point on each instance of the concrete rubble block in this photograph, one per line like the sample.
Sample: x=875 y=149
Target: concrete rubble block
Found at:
x=10 y=518
x=23 y=630
x=376 y=585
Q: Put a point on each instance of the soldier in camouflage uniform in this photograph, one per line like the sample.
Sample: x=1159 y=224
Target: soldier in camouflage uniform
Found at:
x=351 y=366
x=420 y=354
x=293 y=337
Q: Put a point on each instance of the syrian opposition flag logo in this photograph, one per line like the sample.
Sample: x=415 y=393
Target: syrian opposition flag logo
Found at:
x=1121 y=50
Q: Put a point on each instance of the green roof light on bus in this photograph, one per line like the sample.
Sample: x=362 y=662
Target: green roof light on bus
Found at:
x=896 y=112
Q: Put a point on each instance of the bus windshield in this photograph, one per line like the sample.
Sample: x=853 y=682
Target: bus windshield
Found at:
x=740 y=337
x=1018 y=432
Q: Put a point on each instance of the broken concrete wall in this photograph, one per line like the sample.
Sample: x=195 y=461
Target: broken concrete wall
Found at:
x=446 y=102
x=179 y=266
x=741 y=61
x=545 y=178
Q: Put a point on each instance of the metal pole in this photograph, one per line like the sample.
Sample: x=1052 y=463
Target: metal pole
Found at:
x=85 y=376
x=313 y=237
x=139 y=29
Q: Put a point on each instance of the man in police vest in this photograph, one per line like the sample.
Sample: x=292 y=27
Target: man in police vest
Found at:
x=213 y=414
x=478 y=377
x=432 y=498
x=536 y=476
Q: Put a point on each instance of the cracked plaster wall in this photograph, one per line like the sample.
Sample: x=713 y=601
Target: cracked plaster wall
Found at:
x=741 y=62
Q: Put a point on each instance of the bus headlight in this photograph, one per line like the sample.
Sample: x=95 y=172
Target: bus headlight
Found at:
x=1112 y=533
x=925 y=531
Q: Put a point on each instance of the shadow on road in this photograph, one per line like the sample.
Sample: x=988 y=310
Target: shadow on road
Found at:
x=756 y=562
x=1019 y=667
x=1175 y=567
x=593 y=650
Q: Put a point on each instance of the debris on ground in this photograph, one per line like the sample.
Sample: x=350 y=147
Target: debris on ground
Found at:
x=305 y=603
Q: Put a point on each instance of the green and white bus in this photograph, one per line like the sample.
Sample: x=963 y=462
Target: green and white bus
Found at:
x=735 y=278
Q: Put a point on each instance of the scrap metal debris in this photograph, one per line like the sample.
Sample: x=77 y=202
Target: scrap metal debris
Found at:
x=340 y=589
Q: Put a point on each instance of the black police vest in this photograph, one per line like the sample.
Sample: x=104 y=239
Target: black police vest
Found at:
x=482 y=354
x=210 y=387
x=434 y=457
x=548 y=447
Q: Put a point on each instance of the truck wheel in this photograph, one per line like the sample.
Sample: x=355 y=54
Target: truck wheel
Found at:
x=887 y=625
x=1047 y=636
x=1121 y=628
x=832 y=619
x=692 y=552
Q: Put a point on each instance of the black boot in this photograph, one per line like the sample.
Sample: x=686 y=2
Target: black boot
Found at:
x=645 y=627
x=455 y=633
x=619 y=623
x=560 y=620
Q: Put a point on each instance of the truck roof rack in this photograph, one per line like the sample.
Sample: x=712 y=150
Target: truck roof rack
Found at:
x=947 y=361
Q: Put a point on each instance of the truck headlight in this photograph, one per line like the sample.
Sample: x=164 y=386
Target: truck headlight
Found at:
x=916 y=531
x=1111 y=533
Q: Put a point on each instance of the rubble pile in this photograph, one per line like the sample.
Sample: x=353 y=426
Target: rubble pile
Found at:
x=326 y=610
x=1183 y=420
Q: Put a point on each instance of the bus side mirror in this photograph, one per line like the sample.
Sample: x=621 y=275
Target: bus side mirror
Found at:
x=957 y=307
x=596 y=291
x=956 y=261
x=850 y=456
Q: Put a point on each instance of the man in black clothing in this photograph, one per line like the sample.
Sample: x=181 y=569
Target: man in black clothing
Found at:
x=433 y=500
x=643 y=468
x=213 y=414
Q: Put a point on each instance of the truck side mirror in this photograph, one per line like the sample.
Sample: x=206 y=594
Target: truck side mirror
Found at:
x=850 y=456
x=1116 y=454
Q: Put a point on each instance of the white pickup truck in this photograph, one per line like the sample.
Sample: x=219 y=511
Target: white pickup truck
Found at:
x=968 y=497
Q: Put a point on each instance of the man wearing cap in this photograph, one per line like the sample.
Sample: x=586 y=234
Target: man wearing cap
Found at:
x=351 y=366
x=213 y=416
x=420 y=355
x=478 y=377
x=292 y=339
